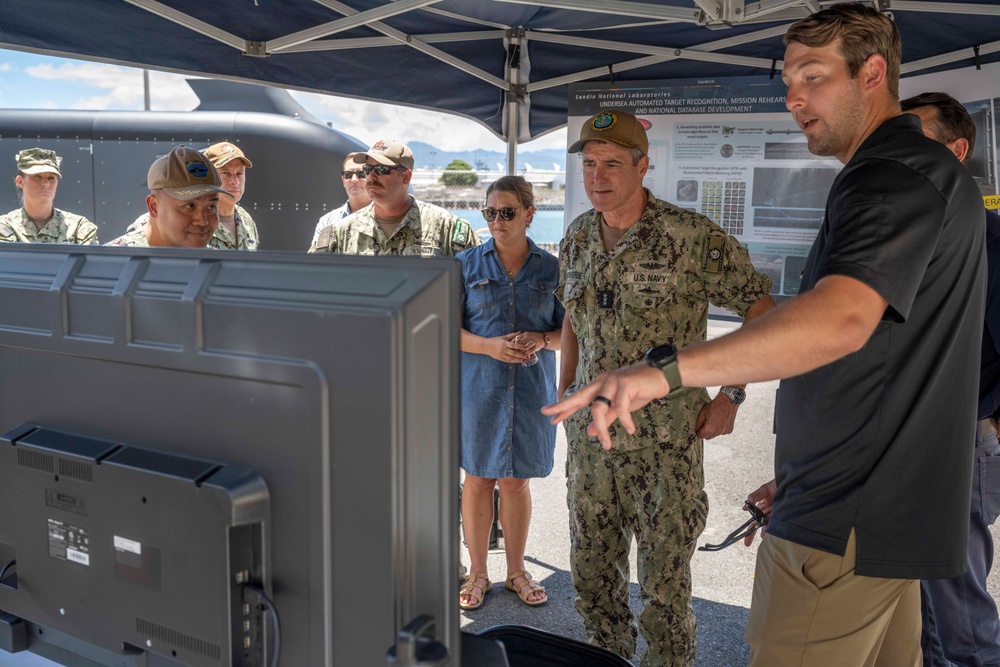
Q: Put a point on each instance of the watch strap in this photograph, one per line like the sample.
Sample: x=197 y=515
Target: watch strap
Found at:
x=673 y=375
x=735 y=394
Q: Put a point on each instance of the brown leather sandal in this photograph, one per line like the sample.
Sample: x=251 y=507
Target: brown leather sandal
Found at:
x=470 y=587
x=526 y=590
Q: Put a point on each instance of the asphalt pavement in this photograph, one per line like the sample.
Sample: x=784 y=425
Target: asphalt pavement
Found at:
x=735 y=465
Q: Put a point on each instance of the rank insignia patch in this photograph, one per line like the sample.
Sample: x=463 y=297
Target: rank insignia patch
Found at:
x=714 y=255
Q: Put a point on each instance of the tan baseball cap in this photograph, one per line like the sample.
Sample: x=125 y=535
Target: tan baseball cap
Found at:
x=184 y=174
x=388 y=152
x=38 y=161
x=224 y=152
x=618 y=127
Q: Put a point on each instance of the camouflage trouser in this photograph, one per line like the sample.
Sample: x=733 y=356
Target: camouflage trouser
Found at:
x=656 y=495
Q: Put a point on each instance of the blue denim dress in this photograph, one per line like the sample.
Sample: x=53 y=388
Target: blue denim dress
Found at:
x=503 y=432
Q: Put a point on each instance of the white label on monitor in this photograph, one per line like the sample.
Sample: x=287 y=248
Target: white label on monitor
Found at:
x=69 y=542
x=122 y=544
x=78 y=557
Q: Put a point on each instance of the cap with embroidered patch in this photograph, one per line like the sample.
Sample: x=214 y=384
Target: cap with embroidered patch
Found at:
x=224 y=152
x=38 y=161
x=388 y=152
x=618 y=127
x=184 y=174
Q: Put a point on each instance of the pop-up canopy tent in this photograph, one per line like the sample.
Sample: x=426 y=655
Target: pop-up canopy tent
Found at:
x=504 y=63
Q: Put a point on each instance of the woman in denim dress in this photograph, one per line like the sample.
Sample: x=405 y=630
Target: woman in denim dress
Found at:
x=511 y=327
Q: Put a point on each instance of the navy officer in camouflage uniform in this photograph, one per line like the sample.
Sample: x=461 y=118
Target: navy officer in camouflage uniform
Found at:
x=395 y=223
x=38 y=221
x=183 y=203
x=636 y=271
x=236 y=230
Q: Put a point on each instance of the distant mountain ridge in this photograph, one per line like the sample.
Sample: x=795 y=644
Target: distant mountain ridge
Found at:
x=426 y=155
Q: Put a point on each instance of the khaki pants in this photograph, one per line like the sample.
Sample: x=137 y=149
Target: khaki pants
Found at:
x=811 y=610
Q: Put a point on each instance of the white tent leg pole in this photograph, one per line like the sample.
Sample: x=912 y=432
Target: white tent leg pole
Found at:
x=511 y=131
x=515 y=91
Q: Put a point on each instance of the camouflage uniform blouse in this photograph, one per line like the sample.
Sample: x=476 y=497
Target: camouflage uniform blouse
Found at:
x=653 y=287
x=426 y=230
x=64 y=227
x=247 y=237
x=133 y=238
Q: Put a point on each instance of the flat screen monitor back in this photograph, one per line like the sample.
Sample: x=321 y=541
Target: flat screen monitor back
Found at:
x=334 y=378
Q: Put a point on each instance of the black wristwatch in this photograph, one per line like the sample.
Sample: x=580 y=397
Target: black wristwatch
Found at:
x=664 y=357
x=735 y=394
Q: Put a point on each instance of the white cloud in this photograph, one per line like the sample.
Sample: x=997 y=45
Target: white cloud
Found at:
x=368 y=121
x=83 y=85
x=170 y=92
x=123 y=86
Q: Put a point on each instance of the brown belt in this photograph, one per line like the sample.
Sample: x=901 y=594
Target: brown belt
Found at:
x=987 y=426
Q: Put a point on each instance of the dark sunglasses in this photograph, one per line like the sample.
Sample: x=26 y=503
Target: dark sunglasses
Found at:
x=507 y=213
x=756 y=520
x=348 y=175
x=380 y=169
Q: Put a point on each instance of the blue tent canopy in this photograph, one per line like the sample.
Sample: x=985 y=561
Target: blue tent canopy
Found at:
x=504 y=63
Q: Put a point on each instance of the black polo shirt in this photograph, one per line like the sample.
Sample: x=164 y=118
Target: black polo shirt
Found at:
x=989 y=373
x=878 y=441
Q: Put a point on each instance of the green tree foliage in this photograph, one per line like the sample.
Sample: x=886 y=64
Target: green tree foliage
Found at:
x=459 y=172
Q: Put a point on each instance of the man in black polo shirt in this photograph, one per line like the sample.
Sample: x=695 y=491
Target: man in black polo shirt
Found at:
x=879 y=355
x=960 y=622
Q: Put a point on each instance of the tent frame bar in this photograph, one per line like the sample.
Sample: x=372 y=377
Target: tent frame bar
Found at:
x=346 y=23
x=716 y=14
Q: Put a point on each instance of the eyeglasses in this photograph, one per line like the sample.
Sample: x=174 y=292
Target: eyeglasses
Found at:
x=380 y=169
x=348 y=175
x=756 y=520
x=506 y=213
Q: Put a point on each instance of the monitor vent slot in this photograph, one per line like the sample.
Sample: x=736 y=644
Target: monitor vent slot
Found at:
x=173 y=638
x=166 y=464
x=68 y=443
x=76 y=470
x=28 y=458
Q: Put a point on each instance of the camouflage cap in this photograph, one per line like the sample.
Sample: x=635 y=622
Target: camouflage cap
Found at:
x=184 y=174
x=618 y=127
x=224 y=152
x=38 y=161
x=388 y=152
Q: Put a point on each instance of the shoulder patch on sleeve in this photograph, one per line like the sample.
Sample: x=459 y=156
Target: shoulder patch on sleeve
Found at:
x=461 y=234
x=715 y=254
x=325 y=240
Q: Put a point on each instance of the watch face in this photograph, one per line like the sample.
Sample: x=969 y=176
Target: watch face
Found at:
x=736 y=394
x=660 y=355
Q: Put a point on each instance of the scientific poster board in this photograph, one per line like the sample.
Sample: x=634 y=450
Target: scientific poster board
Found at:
x=726 y=148
x=729 y=149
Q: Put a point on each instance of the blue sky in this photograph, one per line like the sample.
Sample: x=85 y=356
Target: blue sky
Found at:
x=29 y=81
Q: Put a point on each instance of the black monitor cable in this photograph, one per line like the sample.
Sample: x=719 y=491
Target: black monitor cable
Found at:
x=259 y=597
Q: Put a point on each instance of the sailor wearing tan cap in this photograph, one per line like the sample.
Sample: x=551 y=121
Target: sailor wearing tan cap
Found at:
x=636 y=271
x=183 y=202
x=236 y=230
x=38 y=221
x=395 y=223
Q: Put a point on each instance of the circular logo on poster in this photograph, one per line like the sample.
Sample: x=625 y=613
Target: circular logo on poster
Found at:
x=605 y=121
x=726 y=150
